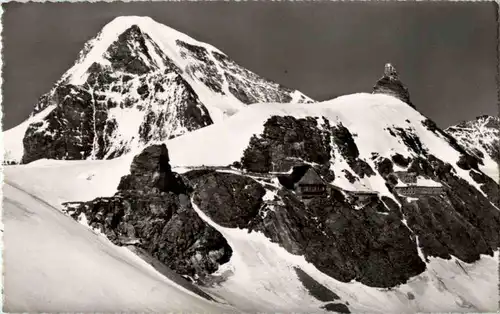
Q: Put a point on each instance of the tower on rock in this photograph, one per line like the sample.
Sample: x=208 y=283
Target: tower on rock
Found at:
x=390 y=84
x=390 y=70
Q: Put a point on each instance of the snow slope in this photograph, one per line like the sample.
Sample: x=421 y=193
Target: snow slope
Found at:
x=223 y=143
x=58 y=181
x=53 y=264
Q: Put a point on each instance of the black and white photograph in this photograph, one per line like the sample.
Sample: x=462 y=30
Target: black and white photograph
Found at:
x=250 y=157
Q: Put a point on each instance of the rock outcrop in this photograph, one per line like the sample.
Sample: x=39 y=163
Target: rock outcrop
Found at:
x=153 y=211
x=390 y=84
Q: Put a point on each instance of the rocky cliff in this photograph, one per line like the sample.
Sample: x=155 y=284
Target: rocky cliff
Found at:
x=152 y=210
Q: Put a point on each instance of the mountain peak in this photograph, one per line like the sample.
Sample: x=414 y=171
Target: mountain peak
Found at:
x=138 y=82
x=390 y=84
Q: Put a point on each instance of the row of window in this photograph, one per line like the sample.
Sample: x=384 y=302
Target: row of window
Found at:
x=419 y=190
x=313 y=188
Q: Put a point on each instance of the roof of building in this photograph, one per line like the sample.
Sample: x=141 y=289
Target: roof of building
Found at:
x=304 y=173
x=311 y=177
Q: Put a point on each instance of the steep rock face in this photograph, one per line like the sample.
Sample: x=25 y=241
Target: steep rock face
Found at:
x=342 y=242
x=71 y=137
x=378 y=244
x=390 y=84
x=453 y=224
x=135 y=96
x=136 y=83
x=286 y=142
x=234 y=200
x=152 y=210
x=481 y=138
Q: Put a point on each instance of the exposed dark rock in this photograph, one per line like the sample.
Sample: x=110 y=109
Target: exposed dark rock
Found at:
x=361 y=168
x=467 y=162
x=336 y=307
x=466 y=159
x=384 y=167
x=151 y=169
x=316 y=289
x=287 y=142
x=149 y=81
x=488 y=186
x=400 y=160
x=239 y=90
x=382 y=245
x=79 y=127
x=390 y=203
x=451 y=224
x=228 y=199
x=422 y=167
x=326 y=173
x=442 y=231
x=125 y=58
x=163 y=225
x=390 y=84
x=410 y=139
x=342 y=242
x=256 y=157
x=349 y=176
x=153 y=211
x=210 y=75
x=288 y=181
x=73 y=118
x=344 y=140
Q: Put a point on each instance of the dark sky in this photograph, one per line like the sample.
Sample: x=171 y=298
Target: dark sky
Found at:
x=445 y=52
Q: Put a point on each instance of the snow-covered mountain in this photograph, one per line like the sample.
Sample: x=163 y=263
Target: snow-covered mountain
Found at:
x=358 y=204
x=221 y=208
x=135 y=83
x=481 y=137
